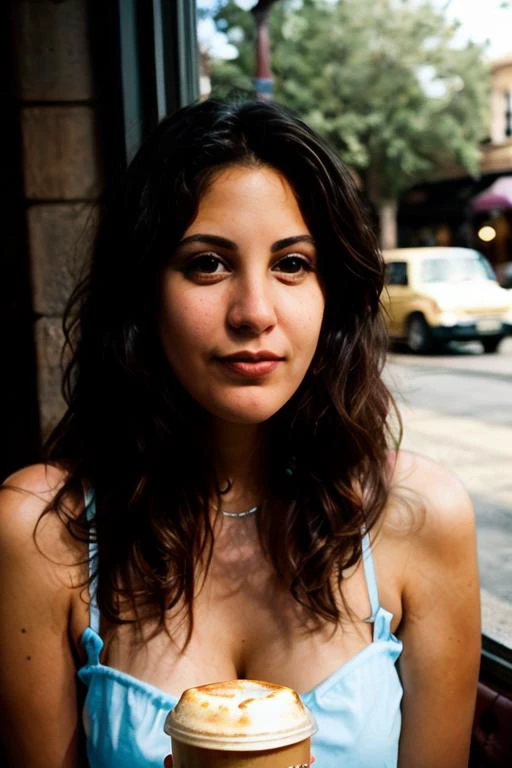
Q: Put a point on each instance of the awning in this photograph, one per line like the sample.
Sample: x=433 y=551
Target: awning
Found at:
x=496 y=197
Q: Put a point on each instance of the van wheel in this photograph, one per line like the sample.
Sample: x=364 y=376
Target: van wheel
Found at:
x=419 y=337
x=491 y=344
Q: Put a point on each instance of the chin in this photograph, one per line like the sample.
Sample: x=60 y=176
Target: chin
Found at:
x=244 y=413
x=244 y=417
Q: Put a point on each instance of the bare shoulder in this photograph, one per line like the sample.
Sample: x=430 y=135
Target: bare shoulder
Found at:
x=429 y=530
x=25 y=494
x=35 y=485
x=428 y=504
x=24 y=530
x=426 y=534
x=428 y=540
x=42 y=572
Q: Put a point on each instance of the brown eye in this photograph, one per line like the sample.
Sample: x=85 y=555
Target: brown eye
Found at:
x=205 y=264
x=293 y=265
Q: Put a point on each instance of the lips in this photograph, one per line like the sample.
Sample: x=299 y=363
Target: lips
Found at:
x=251 y=364
x=250 y=357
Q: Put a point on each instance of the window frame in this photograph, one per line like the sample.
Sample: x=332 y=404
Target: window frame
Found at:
x=400 y=263
x=496 y=665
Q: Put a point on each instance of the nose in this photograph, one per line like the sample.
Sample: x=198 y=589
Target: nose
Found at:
x=252 y=306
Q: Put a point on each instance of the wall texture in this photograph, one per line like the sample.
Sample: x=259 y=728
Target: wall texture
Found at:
x=62 y=170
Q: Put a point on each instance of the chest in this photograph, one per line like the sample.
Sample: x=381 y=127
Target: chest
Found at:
x=244 y=625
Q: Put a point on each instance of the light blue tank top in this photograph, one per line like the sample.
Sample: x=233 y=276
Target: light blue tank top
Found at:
x=357 y=707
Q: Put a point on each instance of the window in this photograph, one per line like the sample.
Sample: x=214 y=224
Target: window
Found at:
x=396 y=273
x=457 y=269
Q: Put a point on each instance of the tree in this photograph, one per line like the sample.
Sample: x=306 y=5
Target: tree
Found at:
x=382 y=80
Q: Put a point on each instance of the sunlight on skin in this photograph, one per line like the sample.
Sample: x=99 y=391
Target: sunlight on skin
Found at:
x=243 y=278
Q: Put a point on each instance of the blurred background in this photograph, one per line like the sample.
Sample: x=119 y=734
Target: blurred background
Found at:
x=415 y=95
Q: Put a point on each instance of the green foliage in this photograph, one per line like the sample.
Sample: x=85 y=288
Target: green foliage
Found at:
x=381 y=79
x=239 y=27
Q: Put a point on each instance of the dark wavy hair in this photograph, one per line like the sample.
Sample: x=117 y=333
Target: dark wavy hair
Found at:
x=137 y=438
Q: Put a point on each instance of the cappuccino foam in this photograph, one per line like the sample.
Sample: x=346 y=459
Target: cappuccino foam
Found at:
x=240 y=715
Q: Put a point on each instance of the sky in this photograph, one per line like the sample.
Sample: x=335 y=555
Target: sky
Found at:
x=481 y=20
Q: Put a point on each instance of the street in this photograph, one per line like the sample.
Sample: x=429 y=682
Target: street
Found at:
x=457 y=409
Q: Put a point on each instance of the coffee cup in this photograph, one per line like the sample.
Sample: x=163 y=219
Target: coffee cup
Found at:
x=240 y=724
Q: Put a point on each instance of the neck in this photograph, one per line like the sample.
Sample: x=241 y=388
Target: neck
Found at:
x=238 y=451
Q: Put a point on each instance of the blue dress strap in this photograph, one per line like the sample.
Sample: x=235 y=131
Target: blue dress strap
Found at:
x=94 y=614
x=371 y=578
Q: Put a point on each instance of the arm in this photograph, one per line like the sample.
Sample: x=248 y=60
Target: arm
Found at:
x=38 y=693
x=441 y=627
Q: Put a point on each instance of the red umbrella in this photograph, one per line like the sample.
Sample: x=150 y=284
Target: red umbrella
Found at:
x=497 y=196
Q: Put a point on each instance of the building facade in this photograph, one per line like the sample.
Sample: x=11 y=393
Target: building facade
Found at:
x=442 y=212
x=84 y=81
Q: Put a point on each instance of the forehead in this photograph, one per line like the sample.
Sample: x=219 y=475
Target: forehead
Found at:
x=256 y=189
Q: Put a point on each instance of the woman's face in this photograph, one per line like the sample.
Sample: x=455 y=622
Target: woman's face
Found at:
x=241 y=299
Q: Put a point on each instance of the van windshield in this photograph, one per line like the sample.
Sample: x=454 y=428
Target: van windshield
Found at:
x=456 y=269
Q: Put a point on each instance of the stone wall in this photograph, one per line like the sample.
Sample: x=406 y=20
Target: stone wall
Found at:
x=61 y=168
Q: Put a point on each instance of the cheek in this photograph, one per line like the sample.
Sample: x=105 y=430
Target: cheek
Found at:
x=187 y=320
x=308 y=322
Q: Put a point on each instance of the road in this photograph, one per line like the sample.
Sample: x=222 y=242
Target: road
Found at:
x=457 y=409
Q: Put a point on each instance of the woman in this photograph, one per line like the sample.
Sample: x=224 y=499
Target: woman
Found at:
x=221 y=499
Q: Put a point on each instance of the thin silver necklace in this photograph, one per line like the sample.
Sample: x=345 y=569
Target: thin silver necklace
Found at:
x=245 y=513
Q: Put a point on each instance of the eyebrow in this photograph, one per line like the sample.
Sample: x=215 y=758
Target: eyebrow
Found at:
x=223 y=242
x=210 y=240
x=287 y=241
